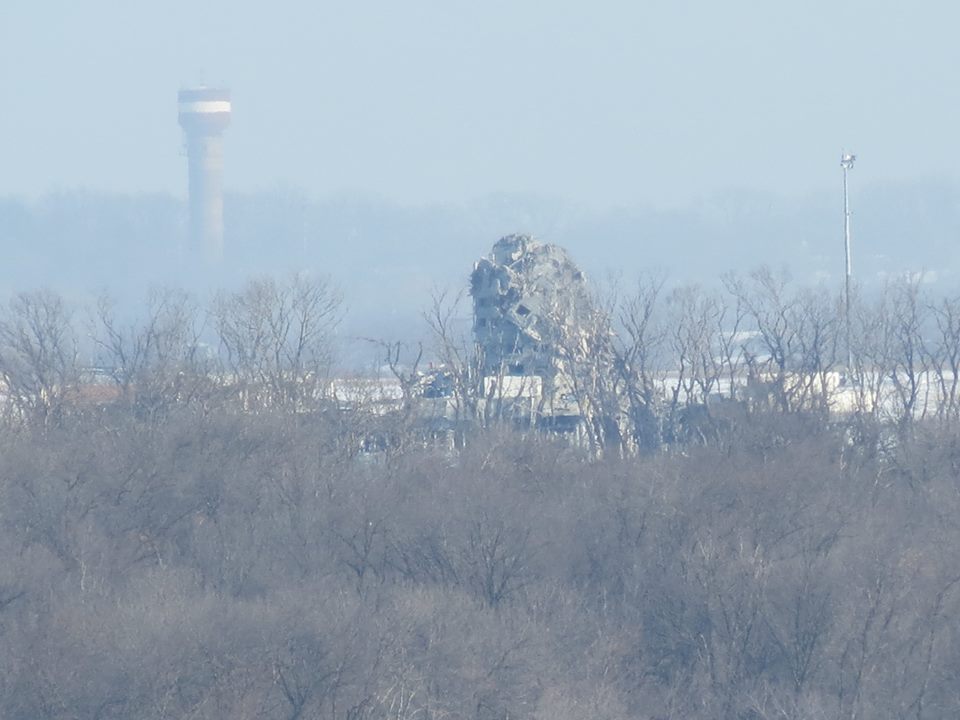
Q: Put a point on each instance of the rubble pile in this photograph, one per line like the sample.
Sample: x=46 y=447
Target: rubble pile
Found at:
x=528 y=298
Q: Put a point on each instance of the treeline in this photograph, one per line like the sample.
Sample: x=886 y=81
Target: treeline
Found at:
x=211 y=544
x=267 y=344
x=647 y=367
x=215 y=564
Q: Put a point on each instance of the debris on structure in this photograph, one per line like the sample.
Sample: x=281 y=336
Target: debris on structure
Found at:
x=530 y=301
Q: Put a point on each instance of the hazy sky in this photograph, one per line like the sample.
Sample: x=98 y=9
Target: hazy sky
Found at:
x=649 y=102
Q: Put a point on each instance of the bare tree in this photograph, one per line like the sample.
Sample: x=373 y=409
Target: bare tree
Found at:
x=460 y=361
x=585 y=359
x=945 y=357
x=38 y=356
x=161 y=360
x=638 y=360
x=797 y=337
x=905 y=352
x=696 y=319
x=276 y=339
x=818 y=341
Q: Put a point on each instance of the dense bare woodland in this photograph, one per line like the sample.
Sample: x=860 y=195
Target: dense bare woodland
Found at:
x=205 y=534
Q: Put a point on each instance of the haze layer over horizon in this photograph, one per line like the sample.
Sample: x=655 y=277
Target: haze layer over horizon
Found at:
x=655 y=104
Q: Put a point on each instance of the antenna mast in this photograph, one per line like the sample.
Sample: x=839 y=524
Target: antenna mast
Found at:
x=846 y=162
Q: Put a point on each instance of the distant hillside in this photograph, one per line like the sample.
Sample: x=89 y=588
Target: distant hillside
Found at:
x=387 y=258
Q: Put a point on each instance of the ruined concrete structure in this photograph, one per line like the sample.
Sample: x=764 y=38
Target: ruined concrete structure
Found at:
x=529 y=301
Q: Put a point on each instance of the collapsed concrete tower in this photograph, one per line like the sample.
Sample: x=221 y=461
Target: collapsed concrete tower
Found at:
x=529 y=302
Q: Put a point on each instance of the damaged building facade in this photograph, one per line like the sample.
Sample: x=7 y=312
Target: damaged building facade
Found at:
x=530 y=304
